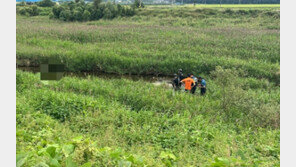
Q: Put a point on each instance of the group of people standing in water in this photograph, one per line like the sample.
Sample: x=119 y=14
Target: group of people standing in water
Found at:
x=190 y=82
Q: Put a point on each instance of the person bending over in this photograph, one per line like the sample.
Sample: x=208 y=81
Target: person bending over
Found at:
x=176 y=82
x=188 y=83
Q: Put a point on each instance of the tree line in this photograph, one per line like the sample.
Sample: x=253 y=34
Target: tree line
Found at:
x=79 y=10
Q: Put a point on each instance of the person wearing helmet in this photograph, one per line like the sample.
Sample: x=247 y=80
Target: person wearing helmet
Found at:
x=188 y=83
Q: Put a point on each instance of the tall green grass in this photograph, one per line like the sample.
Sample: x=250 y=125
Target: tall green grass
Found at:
x=123 y=121
x=159 y=41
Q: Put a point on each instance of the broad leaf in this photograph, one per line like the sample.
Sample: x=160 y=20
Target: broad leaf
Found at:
x=123 y=163
x=68 y=149
x=54 y=163
x=20 y=160
x=70 y=162
x=51 y=150
x=88 y=164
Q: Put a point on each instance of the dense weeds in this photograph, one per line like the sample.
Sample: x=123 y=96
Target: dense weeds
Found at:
x=116 y=117
x=156 y=45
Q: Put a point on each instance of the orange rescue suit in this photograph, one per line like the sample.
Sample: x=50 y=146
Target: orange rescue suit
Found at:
x=188 y=82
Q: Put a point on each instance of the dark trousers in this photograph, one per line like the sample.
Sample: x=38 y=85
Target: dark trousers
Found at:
x=193 y=89
x=203 y=91
x=177 y=88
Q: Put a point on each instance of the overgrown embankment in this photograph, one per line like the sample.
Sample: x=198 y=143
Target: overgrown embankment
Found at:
x=159 y=41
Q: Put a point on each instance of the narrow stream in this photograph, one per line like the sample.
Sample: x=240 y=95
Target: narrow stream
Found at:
x=148 y=78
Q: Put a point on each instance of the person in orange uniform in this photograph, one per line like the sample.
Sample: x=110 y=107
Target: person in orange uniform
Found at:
x=188 y=83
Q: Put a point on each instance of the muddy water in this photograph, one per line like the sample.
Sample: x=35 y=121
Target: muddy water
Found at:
x=157 y=81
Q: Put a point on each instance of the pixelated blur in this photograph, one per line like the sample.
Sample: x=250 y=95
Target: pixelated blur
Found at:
x=51 y=70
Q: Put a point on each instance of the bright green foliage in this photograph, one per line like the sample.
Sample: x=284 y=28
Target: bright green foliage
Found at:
x=92 y=121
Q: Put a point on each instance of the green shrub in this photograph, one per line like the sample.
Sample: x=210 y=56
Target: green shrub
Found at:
x=96 y=3
x=138 y=4
x=56 y=10
x=31 y=10
x=273 y=14
x=254 y=13
x=107 y=14
x=242 y=12
x=78 y=15
x=45 y=11
x=46 y=3
x=229 y=11
x=65 y=15
x=35 y=11
x=22 y=11
x=86 y=15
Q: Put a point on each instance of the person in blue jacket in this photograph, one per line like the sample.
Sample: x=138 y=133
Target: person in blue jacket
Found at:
x=202 y=85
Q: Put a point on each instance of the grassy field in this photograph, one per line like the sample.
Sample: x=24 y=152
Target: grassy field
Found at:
x=119 y=122
x=232 y=6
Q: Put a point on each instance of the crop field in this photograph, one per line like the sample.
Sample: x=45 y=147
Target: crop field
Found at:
x=94 y=121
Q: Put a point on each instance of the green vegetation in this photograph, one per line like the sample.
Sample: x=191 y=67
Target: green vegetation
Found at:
x=33 y=10
x=76 y=10
x=138 y=4
x=81 y=11
x=158 y=41
x=118 y=121
x=46 y=3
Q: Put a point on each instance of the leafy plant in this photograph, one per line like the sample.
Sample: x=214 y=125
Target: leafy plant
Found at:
x=46 y=3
